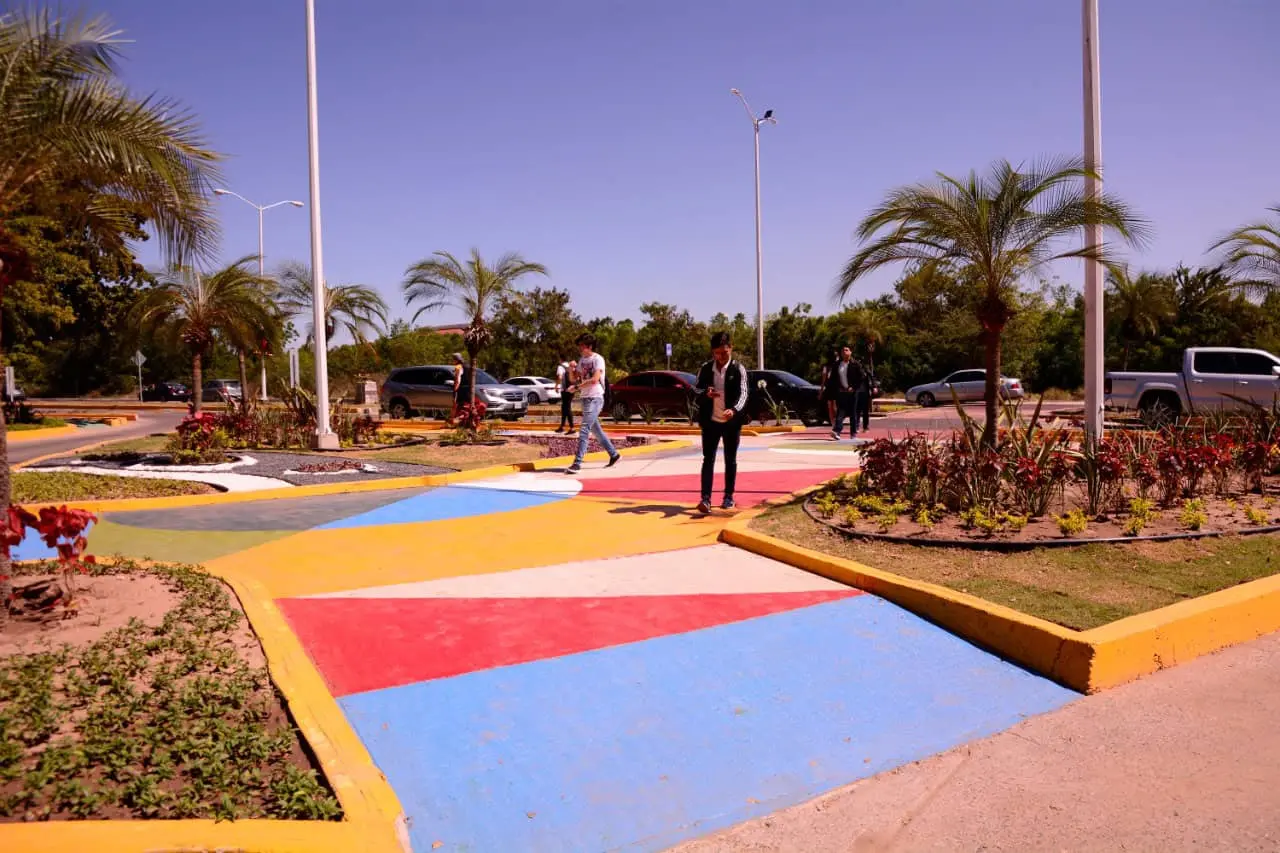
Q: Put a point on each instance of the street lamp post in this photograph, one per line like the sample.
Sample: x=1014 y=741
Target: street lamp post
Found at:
x=261 y=208
x=1093 y=331
x=755 y=126
x=326 y=439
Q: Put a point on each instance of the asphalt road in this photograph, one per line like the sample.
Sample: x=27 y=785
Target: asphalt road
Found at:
x=946 y=417
x=146 y=424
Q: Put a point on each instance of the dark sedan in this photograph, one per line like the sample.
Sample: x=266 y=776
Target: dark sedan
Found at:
x=166 y=392
x=799 y=396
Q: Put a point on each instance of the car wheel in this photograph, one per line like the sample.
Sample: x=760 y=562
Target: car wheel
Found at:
x=533 y=398
x=621 y=413
x=926 y=399
x=399 y=410
x=1159 y=410
x=811 y=416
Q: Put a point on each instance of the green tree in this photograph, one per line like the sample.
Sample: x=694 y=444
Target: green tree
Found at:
x=471 y=286
x=743 y=333
x=667 y=324
x=533 y=331
x=1253 y=253
x=67 y=120
x=616 y=341
x=1139 y=305
x=357 y=308
x=194 y=309
x=996 y=229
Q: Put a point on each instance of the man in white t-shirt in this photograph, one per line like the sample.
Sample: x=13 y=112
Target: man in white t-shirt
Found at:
x=590 y=389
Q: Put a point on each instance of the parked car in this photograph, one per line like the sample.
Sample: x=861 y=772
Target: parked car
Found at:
x=164 y=392
x=661 y=392
x=1211 y=378
x=800 y=396
x=537 y=389
x=221 y=391
x=428 y=389
x=968 y=385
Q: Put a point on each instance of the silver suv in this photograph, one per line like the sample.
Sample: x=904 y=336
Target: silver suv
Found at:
x=429 y=390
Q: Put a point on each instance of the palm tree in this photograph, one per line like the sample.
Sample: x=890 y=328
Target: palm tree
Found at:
x=66 y=120
x=1253 y=253
x=994 y=230
x=195 y=309
x=472 y=286
x=357 y=308
x=1139 y=304
x=867 y=323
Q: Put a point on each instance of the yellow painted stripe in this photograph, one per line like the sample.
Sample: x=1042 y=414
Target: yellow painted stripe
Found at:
x=318 y=561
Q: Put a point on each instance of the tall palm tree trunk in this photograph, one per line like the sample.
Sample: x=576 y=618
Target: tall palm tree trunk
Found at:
x=197 y=383
x=6 y=493
x=993 y=347
x=1124 y=364
x=244 y=377
x=472 y=389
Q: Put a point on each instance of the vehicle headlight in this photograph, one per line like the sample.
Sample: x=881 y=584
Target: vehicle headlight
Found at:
x=492 y=394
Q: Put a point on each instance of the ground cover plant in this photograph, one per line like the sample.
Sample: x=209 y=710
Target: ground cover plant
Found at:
x=58 y=486
x=167 y=717
x=1034 y=483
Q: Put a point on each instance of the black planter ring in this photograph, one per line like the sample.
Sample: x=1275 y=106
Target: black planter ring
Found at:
x=1004 y=545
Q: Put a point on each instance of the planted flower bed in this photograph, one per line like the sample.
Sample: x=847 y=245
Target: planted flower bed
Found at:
x=1032 y=486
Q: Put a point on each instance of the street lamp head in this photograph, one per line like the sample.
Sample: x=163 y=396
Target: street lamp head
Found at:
x=296 y=203
x=735 y=92
x=221 y=192
x=768 y=115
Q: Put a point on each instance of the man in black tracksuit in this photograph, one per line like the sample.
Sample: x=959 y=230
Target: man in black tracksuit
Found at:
x=722 y=392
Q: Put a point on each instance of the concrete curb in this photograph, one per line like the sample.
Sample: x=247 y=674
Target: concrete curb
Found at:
x=26 y=435
x=628 y=429
x=1087 y=661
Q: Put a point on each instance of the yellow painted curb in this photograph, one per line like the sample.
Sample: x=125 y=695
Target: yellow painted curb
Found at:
x=39 y=434
x=388 y=484
x=1087 y=661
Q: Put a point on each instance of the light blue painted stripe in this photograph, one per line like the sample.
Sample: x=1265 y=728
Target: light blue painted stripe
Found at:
x=637 y=747
x=33 y=547
x=444 y=503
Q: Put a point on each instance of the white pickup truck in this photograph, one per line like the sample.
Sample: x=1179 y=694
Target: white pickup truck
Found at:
x=1211 y=378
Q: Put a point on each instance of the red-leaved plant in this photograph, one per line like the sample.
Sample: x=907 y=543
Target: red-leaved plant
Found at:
x=61 y=528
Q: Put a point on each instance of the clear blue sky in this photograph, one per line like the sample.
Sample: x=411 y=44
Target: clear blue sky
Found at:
x=599 y=136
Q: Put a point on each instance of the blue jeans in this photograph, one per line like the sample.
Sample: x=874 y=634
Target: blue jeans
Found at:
x=846 y=407
x=591 y=407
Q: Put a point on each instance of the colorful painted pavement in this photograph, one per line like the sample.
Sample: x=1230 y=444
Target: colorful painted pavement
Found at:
x=546 y=663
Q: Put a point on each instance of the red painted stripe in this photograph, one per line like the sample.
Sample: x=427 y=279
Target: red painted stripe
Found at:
x=752 y=488
x=362 y=644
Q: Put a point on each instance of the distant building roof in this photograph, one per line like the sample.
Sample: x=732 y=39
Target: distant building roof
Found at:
x=447 y=329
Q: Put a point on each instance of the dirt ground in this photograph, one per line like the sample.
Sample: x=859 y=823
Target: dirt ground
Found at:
x=105 y=603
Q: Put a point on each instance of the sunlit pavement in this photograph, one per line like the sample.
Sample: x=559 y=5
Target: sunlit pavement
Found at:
x=547 y=662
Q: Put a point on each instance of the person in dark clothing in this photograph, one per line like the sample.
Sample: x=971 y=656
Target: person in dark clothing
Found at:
x=721 y=395
x=848 y=377
x=566 y=374
x=862 y=398
x=828 y=388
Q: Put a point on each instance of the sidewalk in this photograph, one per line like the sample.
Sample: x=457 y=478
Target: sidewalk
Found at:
x=1188 y=759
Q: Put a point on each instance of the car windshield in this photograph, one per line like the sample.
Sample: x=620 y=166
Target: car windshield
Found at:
x=483 y=378
x=688 y=377
x=790 y=378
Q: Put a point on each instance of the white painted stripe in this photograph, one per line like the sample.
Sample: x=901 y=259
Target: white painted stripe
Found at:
x=710 y=569
x=847 y=454
x=555 y=484
x=230 y=482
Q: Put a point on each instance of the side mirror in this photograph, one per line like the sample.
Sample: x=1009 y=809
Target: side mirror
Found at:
x=449 y=382
x=1275 y=369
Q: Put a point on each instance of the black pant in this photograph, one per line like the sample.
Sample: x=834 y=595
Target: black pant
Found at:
x=862 y=409
x=566 y=410
x=846 y=407
x=712 y=434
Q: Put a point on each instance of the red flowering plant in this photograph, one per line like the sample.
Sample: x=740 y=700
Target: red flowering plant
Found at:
x=1171 y=462
x=1101 y=468
x=1257 y=459
x=200 y=439
x=471 y=415
x=884 y=466
x=63 y=529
